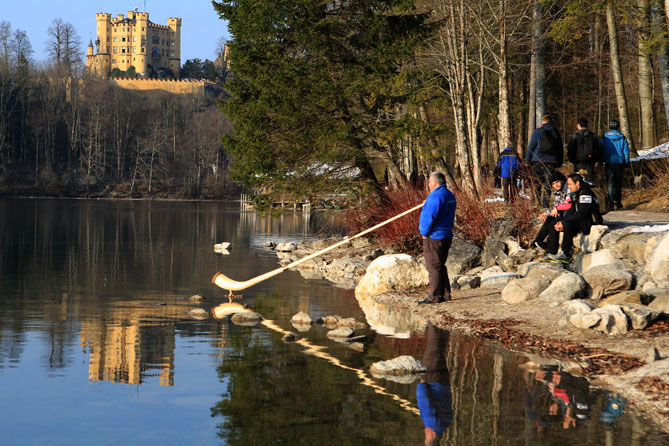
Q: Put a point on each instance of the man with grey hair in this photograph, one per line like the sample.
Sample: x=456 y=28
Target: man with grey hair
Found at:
x=436 y=226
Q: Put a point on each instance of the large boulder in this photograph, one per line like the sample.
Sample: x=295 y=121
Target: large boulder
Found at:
x=631 y=296
x=286 y=247
x=402 y=365
x=521 y=290
x=493 y=253
x=541 y=269
x=571 y=307
x=640 y=316
x=590 y=242
x=462 y=256
x=496 y=277
x=603 y=257
x=605 y=280
x=658 y=264
x=660 y=299
x=392 y=272
x=565 y=287
x=613 y=320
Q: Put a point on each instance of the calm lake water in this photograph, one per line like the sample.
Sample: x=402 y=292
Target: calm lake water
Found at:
x=97 y=346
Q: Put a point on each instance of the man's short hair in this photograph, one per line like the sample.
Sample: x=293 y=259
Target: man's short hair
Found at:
x=583 y=122
x=438 y=177
x=547 y=119
x=576 y=178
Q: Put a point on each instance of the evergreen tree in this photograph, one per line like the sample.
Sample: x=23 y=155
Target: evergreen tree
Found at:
x=316 y=88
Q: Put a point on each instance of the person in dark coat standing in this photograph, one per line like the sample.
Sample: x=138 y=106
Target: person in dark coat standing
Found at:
x=507 y=165
x=544 y=154
x=584 y=150
x=616 y=157
x=436 y=227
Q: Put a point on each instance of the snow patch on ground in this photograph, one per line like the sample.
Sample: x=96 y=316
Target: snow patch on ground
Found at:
x=650 y=228
x=654 y=153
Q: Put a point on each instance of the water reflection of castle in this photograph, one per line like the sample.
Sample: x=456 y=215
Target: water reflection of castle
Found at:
x=132 y=342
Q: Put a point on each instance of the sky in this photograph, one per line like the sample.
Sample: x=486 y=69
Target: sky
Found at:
x=200 y=26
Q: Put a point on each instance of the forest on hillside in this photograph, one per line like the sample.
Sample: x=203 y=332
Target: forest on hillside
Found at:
x=385 y=89
x=328 y=97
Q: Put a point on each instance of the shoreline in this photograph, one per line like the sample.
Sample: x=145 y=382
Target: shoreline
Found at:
x=627 y=364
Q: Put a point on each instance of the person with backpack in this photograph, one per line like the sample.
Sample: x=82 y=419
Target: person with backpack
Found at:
x=578 y=219
x=584 y=151
x=544 y=154
x=507 y=164
x=616 y=156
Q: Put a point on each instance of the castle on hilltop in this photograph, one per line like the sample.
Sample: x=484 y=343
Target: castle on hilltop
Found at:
x=135 y=41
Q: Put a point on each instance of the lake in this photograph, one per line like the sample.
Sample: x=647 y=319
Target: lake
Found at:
x=98 y=345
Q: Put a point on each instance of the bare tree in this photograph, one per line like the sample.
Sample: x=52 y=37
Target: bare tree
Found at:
x=64 y=45
x=645 y=76
x=619 y=86
x=22 y=50
x=5 y=44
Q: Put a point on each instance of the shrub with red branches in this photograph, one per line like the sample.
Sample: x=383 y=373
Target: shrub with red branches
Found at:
x=402 y=233
x=474 y=217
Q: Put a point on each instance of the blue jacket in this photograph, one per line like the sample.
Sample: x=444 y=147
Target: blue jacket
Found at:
x=533 y=154
x=438 y=214
x=435 y=404
x=616 y=149
x=507 y=163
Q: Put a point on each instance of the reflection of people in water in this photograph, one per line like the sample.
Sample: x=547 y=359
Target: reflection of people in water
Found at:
x=434 y=390
x=557 y=397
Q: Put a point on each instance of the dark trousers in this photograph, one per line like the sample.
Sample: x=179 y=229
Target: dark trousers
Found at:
x=570 y=228
x=614 y=180
x=436 y=252
x=508 y=189
x=545 y=230
x=542 y=173
x=589 y=169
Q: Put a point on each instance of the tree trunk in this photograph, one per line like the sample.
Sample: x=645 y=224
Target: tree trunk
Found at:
x=540 y=74
x=662 y=56
x=645 y=78
x=531 y=100
x=621 y=99
x=504 y=130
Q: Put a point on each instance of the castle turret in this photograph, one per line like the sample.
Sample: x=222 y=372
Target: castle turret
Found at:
x=90 y=48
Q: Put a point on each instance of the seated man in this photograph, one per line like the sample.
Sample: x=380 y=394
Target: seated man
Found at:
x=551 y=216
x=576 y=220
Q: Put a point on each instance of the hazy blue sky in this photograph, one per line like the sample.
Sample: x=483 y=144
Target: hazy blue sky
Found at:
x=200 y=28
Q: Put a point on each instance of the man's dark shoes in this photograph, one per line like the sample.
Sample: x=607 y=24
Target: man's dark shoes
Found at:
x=541 y=245
x=425 y=301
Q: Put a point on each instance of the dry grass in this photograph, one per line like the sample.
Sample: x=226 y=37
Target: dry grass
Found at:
x=653 y=194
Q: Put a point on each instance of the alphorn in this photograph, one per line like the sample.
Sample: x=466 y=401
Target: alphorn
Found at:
x=231 y=285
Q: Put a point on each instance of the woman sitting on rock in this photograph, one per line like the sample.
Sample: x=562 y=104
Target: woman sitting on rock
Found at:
x=561 y=203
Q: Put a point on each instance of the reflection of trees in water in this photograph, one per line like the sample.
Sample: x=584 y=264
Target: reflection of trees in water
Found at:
x=276 y=394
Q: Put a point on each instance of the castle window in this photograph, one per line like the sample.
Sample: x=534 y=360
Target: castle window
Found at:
x=107 y=49
x=142 y=28
x=123 y=49
x=115 y=48
x=172 y=53
x=113 y=60
x=162 y=42
x=173 y=43
x=134 y=49
x=115 y=39
x=134 y=39
x=143 y=49
x=122 y=39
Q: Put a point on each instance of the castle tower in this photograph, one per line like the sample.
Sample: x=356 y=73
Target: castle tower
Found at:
x=135 y=42
x=174 y=24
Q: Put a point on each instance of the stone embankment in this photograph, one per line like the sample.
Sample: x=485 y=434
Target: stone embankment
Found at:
x=604 y=315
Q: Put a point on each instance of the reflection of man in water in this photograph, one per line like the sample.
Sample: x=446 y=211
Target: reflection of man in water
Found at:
x=434 y=390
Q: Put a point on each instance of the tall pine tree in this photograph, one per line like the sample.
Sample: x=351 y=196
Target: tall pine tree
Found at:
x=316 y=88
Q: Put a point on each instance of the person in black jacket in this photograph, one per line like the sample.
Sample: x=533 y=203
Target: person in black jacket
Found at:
x=584 y=150
x=576 y=220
